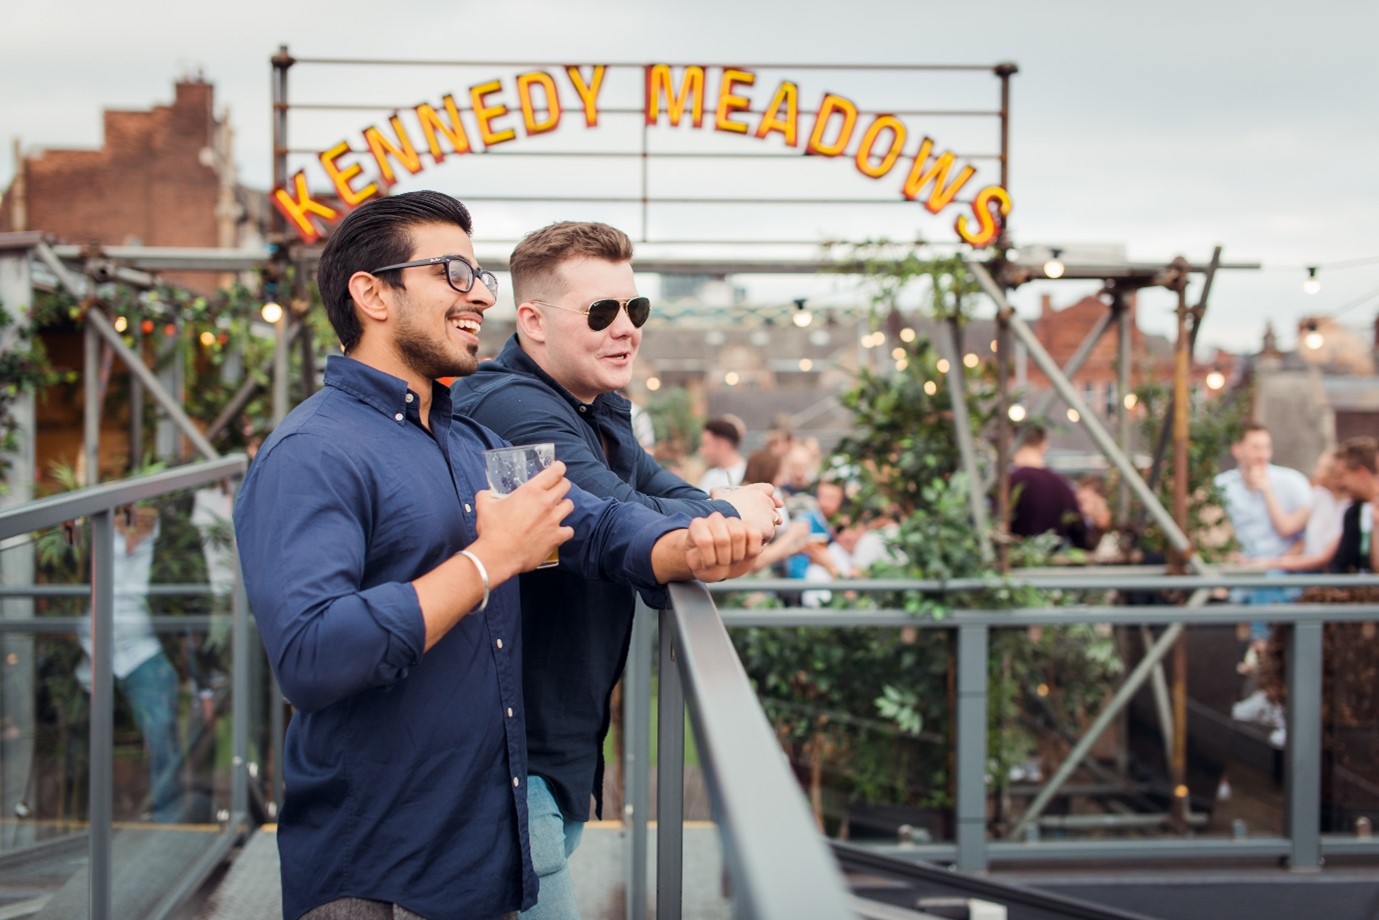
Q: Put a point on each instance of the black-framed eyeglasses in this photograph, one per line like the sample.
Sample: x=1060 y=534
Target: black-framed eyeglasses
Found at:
x=601 y=313
x=459 y=272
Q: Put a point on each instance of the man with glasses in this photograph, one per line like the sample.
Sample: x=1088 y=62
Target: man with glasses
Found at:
x=579 y=325
x=381 y=573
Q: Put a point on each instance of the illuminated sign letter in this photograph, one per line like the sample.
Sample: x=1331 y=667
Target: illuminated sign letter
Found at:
x=940 y=195
x=658 y=83
x=431 y=122
x=588 y=92
x=296 y=208
x=342 y=177
x=381 y=147
x=486 y=113
x=525 y=82
x=987 y=222
x=729 y=102
x=832 y=105
x=787 y=97
x=864 y=149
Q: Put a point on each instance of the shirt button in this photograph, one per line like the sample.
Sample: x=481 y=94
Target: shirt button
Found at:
x=398 y=417
x=467 y=508
x=409 y=397
x=515 y=782
x=509 y=712
x=500 y=643
x=583 y=409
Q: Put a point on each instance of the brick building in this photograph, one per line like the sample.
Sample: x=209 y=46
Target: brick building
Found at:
x=162 y=177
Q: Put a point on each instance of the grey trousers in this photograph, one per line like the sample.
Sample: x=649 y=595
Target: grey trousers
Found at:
x=364 y=909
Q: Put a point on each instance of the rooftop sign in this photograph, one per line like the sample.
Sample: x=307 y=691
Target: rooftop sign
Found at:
x=729 y=100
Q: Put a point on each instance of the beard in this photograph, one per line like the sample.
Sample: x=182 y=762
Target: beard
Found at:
x=428 y=357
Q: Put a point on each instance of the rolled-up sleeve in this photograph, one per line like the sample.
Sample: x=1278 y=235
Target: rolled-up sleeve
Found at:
x=302 y=527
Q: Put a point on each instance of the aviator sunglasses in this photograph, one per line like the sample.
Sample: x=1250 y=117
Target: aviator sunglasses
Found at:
x=601 y=313
x=459 y=273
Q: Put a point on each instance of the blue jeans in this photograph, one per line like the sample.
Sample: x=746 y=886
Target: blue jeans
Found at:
x=1259 y=630
x=151 y=689
x=553 y=840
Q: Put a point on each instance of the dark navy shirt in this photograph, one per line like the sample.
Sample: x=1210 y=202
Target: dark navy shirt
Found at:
x=405 y=772
x=575 y=632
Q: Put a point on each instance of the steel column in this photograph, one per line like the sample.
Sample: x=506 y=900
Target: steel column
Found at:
x=670 y=776
x=102 y=731
x=1304 y=746
x=970 y=763
x=636 y=718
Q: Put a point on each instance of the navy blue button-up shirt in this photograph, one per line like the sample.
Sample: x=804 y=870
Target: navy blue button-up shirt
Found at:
x=575 y=631
x=405 y=772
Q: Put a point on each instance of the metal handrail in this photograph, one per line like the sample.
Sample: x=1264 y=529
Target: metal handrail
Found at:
x=99 y=504
x=1303 y=844
x=772 y=850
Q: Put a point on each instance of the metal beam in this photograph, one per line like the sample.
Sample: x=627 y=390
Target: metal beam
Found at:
x=1090 y=422
x=96 y=319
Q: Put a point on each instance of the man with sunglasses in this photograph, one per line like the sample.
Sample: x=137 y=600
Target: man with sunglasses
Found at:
x=579 y=325
x=382 y=575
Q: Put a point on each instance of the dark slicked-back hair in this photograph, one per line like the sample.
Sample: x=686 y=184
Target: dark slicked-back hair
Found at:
x=536 y=257
x=377 y=233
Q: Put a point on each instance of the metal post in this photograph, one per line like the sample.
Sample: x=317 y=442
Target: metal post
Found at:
x=102 y=730
x=970 y=765
x=636 y=715
x=17 y=555
x=168 y=446
x=1304 y=746
x=1182 y=359
x=962 y=425
x=1003 y=440
x=1124 y=359
x=91 y=409
x=282 y=62
x=239 y=696
x=670 y=777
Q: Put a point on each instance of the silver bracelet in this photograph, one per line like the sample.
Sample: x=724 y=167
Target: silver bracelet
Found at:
x=483 y=576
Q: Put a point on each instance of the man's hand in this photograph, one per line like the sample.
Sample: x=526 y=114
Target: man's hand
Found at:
x=756 y=504
x=1256 y=477
x=718 y=547
x=518 y=531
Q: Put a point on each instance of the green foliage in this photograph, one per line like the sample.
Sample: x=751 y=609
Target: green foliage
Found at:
x=24 y=369
x=876 y=705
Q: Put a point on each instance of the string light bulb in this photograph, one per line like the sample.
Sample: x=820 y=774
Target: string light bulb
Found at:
x=802 y=316
x=272 y=312
x=1054 y=267
x=1313 y=339
x=1312 y=284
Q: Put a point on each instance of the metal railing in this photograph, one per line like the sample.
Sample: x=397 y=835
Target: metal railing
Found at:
x=98 y=504
x=776 y=861
x=1302 y=844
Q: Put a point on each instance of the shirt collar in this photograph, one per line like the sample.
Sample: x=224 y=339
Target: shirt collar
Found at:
x=382 y=391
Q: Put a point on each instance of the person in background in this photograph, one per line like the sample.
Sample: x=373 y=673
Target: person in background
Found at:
x=580 y=322
x=718 y=445
x=1043 y=501
x=1357 y=550
x=1322 y=535
x=383 y=576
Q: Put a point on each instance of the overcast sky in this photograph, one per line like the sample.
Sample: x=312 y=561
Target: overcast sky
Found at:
x=1162 y=128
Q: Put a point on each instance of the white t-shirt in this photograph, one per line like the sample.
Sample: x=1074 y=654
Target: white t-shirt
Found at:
x=720 y=478
x=1324 y=524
